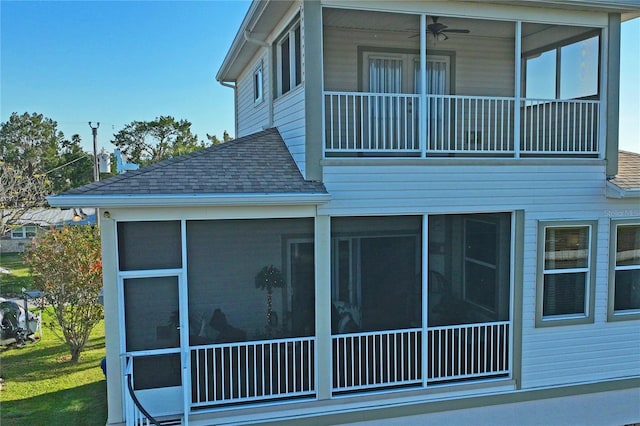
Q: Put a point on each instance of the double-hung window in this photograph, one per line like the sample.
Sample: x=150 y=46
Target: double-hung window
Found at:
x=624 y=273
x=257 y=85
x=565 y=287
x=289 y=57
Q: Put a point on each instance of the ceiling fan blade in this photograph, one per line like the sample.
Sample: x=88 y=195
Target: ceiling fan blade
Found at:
x=456 y=31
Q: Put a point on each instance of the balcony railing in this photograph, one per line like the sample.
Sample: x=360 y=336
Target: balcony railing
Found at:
x=390 y=124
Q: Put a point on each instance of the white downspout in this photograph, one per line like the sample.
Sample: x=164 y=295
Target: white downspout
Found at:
x=235 y=105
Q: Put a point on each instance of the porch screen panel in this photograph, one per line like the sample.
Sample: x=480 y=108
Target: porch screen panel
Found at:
x=151 y=313
x=250 y=279
x=149 y=245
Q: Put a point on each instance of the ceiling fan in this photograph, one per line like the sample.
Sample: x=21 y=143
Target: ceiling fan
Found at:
x=439 y=30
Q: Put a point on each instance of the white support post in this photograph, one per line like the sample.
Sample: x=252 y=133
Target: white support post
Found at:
x=425 y=299
x=423 y=85
x=323 y=352
x=517 y=89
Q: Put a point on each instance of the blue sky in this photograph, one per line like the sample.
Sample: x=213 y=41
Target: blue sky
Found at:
x=119 y=61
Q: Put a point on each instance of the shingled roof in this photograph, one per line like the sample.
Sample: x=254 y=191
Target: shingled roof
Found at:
x=627 y=182
x=257 y=164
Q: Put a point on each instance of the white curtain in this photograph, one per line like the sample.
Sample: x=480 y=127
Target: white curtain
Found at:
x=385 y=75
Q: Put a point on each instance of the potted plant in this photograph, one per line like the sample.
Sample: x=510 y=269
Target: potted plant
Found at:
x=267 y=279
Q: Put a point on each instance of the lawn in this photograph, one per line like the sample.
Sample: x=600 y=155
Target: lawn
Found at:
x=41 y=386
x=11 y=285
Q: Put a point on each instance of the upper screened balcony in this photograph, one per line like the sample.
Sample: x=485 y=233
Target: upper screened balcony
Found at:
x=484 y=87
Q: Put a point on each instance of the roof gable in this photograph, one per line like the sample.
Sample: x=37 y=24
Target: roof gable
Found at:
x=255 y=164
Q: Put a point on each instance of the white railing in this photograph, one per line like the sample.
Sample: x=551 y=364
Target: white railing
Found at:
x=389 y=124
x=371 y=122
x=469 y=124
x=377 y=359
x=468 y=351
x=559 y=126
x=252 y=371
x=134 y=412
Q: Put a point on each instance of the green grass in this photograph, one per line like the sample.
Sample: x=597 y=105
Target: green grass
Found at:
x=11 y=284
x=41 y=386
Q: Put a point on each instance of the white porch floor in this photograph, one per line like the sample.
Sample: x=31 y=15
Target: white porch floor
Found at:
x=615 y=408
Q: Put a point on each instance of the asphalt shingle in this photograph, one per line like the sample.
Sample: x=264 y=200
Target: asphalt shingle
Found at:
x=628 y=176
x=259 y=163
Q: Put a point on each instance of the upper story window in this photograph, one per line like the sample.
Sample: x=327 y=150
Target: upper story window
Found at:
x=258 y=85
x=289 y=57
x=24 y=232
x=566 y=273
x=565 y=71
x=624 y=274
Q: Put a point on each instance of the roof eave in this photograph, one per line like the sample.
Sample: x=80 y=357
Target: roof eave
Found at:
x=255 y=11
x=614 y=191
x=182 y=200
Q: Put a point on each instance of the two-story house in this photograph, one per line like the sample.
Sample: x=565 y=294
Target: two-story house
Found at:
x=424 y=211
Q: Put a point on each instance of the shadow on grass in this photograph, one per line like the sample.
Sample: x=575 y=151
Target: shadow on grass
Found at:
x=36 y=361
x=82 y=405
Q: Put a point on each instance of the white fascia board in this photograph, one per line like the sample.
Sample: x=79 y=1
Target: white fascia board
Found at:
x=182 y=200
x=614 y=191
x=255 y=10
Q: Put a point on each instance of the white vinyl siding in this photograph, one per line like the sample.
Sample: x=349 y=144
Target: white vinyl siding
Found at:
x=253 y=116
x=288 y=117
x=546 y=191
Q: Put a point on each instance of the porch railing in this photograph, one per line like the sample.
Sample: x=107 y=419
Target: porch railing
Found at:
x=468 y=351
x=389 y=125
x=252 y=371
x=377 y=359
x=393 y=358
x=135 y=413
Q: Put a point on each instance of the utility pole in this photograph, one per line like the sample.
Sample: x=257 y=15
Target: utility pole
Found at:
x=96 y=172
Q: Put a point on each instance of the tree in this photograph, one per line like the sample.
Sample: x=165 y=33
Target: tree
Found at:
x=20 y=191
x=67 y=267
x=215 y=141
x=30 y=140
x=75 y=166
x=146 y=142
x=33 y=143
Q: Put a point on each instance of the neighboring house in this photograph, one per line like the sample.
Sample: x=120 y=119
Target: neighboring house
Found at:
x=410 y=221
x=38 y=220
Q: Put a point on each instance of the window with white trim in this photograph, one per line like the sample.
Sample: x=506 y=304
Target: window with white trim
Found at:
x=257 y=85
x=624 y=274
x=289 y=58
x=565 y=274
x=24 y=232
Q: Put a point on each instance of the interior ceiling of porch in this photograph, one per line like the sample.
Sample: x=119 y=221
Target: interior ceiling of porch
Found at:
x=410 y=24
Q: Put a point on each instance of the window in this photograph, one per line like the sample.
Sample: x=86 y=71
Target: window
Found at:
x=289 y=56
x=565 y=277
x=24 y=232
x=624 y=274
x=568 y=71
x=257 y=85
